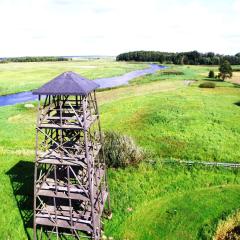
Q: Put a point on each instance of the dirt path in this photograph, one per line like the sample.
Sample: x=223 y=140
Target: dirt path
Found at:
x=235 y=78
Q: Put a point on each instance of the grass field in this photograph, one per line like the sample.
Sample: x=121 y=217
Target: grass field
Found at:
x=19 y=77
x=156 y=200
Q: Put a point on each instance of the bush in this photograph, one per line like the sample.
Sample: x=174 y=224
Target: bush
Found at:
x=225 y=70
x=207 y=85
x=121 y=151
x=218 y=76
x=172 y=72
x=229 y=229
x=211 y=74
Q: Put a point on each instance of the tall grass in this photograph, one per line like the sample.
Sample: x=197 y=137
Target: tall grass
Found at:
x=229 y=229
x=121 y=150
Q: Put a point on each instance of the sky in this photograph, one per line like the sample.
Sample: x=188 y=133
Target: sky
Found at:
x=110 y=27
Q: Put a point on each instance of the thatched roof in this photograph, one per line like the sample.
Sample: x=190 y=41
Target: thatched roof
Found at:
x=67 y=83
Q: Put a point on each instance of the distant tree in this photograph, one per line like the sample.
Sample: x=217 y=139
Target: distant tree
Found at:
x=225 y=70
x=216 y=60
x=210 y=54
x=192 y=58
x=37 y=59
x=211 y=74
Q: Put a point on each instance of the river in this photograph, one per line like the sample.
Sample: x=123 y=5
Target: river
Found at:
x=22 y=97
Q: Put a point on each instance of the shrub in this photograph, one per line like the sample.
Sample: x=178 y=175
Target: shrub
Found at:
x=172 y=72
x=121 y=151
x=225 y=70
x=207 y=85
x=211 y=74
x=229 y=229
x=218 y=76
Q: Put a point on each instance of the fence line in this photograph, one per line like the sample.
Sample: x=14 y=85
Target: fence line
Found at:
x=218 y=164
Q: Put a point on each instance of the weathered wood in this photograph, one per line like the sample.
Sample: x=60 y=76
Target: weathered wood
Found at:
x=52 y=157
x=68 y=125
x=63 y=224
x=70 y=179
x=52 y=189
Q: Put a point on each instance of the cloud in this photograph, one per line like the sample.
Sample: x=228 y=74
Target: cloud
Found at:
x=236 y=6
x=83 y=27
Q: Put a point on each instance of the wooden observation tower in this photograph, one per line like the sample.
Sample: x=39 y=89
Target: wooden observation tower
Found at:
x=70 y=184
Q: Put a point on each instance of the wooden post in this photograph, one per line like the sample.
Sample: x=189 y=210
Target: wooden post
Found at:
x=35 y=173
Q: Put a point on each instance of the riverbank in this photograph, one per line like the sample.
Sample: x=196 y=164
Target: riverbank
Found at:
x=22 y=97
x=23 y=77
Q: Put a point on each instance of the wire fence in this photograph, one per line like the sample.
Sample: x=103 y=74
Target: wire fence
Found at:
x=216 y=164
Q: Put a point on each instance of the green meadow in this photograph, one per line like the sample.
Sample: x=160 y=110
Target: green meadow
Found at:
x=168 y=118
x=20 y=77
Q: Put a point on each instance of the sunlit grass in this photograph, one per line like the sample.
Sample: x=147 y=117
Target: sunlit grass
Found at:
x=18 y=77
x=169 y=120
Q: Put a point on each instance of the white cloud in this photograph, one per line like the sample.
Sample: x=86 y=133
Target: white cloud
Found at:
x=70 y=27
x=236 y=6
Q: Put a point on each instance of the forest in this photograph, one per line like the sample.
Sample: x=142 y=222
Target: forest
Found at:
x=180 y=58
x=34 y=59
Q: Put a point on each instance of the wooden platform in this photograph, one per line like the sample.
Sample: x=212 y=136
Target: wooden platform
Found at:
x=67 y=125
x=63 y=224
x=64 y=217
x=52 y=157
x=49 y=188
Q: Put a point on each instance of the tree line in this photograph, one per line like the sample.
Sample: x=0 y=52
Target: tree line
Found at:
x=34 y=59
x=191 y=58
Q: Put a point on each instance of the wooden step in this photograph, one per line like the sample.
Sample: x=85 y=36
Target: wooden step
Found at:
x=61 y=223
x=64 y=211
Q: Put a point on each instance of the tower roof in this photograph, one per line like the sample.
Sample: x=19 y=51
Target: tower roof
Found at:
x=67 y=83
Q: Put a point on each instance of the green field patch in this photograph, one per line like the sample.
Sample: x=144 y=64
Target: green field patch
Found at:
x=181 y=216
x=153 y=187
x=25 y=76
